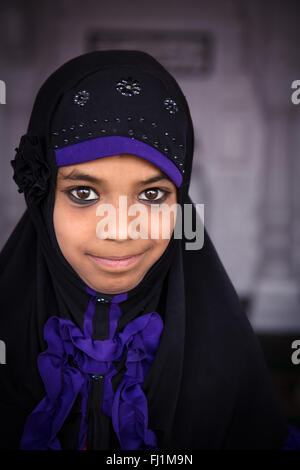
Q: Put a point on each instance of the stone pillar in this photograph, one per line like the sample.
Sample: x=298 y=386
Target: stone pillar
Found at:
x=276 y=299
x=276 y=303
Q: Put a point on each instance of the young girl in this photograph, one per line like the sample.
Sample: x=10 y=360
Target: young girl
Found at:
x=113 y=340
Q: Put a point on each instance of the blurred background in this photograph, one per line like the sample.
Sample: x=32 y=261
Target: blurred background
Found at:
x=235 y=61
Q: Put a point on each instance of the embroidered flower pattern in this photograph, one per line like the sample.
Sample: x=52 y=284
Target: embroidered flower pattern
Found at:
x=31 y=171
x=170 y=105
x=81 y=97
x=129 y=86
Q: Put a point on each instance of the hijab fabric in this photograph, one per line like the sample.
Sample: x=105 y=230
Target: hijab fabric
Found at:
x=171 y=364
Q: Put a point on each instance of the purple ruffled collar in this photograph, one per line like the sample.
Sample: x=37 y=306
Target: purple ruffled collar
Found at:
x=73 y=357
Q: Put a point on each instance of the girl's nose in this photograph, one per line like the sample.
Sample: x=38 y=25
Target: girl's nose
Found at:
x=122 y=221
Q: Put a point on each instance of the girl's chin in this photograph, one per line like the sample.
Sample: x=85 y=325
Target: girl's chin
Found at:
x=116 y=288
x=116 y=283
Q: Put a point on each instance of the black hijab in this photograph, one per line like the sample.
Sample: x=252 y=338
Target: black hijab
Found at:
x=208 y=386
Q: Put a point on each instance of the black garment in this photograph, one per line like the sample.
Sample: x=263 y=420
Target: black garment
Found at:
x=208 y=387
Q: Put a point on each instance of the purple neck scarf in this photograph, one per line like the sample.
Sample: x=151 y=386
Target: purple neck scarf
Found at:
x=73 y=357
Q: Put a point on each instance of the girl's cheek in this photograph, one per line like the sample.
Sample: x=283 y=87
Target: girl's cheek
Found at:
x=71 y=221
x=161 y=223
x=67 y=230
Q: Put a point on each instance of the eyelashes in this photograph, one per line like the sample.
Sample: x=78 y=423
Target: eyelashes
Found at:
x=86 y=190
x=155 y=201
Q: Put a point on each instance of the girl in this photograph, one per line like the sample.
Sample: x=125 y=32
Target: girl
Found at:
x=117 y=341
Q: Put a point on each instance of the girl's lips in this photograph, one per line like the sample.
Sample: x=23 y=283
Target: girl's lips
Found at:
x=117 y=263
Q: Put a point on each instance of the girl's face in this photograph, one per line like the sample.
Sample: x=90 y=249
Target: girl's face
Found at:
x=80 y=191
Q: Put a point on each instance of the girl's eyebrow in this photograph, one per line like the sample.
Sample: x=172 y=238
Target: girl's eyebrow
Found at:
x=76 y=175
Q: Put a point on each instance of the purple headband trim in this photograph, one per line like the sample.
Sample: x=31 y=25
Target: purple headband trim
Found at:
x=114 y=145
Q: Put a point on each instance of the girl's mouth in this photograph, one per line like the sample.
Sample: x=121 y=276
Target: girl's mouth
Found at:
x=115 y=262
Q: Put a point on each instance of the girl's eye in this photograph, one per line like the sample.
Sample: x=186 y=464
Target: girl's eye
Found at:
x=83 y=194
x=152 y=195
x=86 y=195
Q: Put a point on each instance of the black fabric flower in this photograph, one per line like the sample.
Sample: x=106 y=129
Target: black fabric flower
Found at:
x=31 y=171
